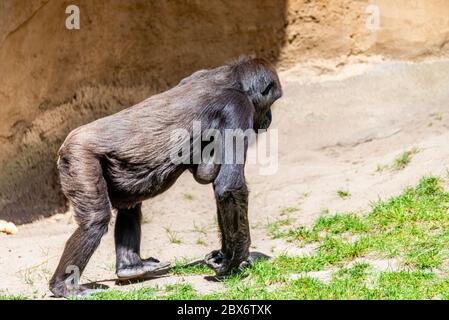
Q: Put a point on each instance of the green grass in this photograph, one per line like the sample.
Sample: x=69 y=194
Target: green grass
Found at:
x=275 y=228
x=148 y=293
x=382 y=167
x=400 y=162
x=200 y=242
x=172 y=236
x=404 y=159
x=412 y=229
x=188 y=196
x=181 y=267
x=12 y=297
x=287 y=210
x=178 y=291
x=343 y=194
x=437 y=116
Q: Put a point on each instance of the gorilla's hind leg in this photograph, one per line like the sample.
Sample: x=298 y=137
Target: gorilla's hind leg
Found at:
x=129 y=264
x=77 y=252
x=85 y=187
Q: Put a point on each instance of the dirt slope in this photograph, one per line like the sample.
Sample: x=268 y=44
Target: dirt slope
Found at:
x=338 y=121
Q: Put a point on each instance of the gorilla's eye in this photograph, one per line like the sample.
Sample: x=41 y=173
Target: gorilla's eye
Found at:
x=268 y=88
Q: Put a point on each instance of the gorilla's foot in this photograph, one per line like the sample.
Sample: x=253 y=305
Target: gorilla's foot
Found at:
x=253 y=257
x=139 y=270
x=61 y=290
x=214 y=259
x=217 y=261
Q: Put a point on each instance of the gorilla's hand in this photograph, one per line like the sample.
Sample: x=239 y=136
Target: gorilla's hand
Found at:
x=222 y=266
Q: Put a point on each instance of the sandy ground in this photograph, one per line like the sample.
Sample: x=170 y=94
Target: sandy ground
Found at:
x=338 y=121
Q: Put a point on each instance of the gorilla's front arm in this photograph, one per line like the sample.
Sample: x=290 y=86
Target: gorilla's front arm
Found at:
x=231 y=192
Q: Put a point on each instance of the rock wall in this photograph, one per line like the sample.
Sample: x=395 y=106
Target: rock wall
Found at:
x=406 y=29
x=54 y=79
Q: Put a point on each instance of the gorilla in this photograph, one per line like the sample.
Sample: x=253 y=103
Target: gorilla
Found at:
x=116 y=162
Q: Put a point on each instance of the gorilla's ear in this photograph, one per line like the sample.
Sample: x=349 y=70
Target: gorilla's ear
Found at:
x=268 y=88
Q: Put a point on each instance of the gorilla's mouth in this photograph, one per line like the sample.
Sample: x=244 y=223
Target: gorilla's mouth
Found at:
x=266 y=121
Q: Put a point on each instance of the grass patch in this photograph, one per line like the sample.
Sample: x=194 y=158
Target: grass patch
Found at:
x=275 y=228
x=343 y=194
x=149 y=293
x=199 y=229
x=178 y=291
x=200 y=242
x=182 y=267
x=288 y=210
x=404 y=159
x=437 y=116
x=188 y=196
x=382 y=167
x=400 y=162
x=12 y=297
x=412 y=228
x=172 y=236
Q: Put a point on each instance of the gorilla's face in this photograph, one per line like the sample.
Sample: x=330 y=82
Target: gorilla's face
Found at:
x=266 y=121
x=261 y=83
x=264 y=99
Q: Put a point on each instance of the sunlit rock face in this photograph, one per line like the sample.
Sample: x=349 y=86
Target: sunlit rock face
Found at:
x=53 y=79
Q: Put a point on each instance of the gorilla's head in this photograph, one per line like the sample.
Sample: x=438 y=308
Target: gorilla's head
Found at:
x=259 y=80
